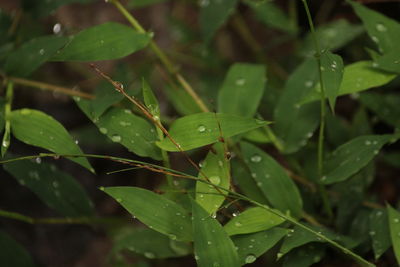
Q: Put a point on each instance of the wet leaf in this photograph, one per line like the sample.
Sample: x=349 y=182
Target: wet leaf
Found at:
x=379 y=232
x=304 y=256
x=394 y=226
x=332 y=74
x=156 y=211
x=150 y=99
x=212 y=245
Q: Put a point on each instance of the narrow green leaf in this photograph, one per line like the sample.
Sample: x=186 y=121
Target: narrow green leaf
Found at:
x=57 y=189
x=332 y=36
x=252 y=246
x=150 y=99
x=384 y=31
x=332 y=74
x=103 y=42
x=12 y=253
x=357 y=77
x=212 y=245
x=379 y=232
x=36 y=128
x=271 y=15
x=7 y=124
x=295 y=124
x=252 y=220
x=242 y=90
x=33 y=54
x=131 y=131
x=386 y=106
x=258 y=136
x=277 y=186
x=304 y=256
x=352 y=156
x=156 y=211
x=150 y=244
x=394 y=226
x=389 y=61
x=202 y=129
x=181 y=100
x=213 y=14
x=217 y=170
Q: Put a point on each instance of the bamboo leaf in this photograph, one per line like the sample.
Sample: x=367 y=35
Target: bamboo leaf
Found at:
x=202 y=129
x=379 y=232
x=352 y=156
x=36 y=128
x=389 y=61
x=216 y=168
x=394 y=226
x=102 y=42
x=304 y=256
x=212 y=245
x=242 y=90
x=150 y=99
x=273 y=181
x=55 y=188
x=252 y=220
x=332 y=74
x=156 y=211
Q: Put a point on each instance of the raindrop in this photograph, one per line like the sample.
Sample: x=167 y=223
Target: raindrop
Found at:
x=279 y=255
x=116 y=138
x=215 y=180
x=5 y=143
x=238 y=224
x=41 y=52
x=57 y=28
x=308 y=84
x=55 y=184
x=323 y=178
x=375 y=39
x=255 y=158
x=209 y=242
x=380 y=27
x=396 y=220
x=38 y=160
x=240 y=82
x=259 y=184
x=149 y=255
x=202 y=164
x=254 y=175
x=171 y=236
x=367 y=142
x=103 y=130
x=372 y=233
x=196 y=257
x=124 y=123
x=201 y=128
x=76 y=142
x=235 y=214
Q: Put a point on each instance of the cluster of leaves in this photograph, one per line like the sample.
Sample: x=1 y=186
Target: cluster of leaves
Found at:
x=239 y=203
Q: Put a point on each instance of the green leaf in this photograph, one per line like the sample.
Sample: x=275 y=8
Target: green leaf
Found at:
x=242 y=90
x=156 y=211
x=181 y=100
x=150 y=244
x=42 y=8
x=212 y=245
x=131 y=131
x=258 y=136
x=277 y=186
x=379 y=232
x=103 y=42
x=332 y=36
x=384 y=31
x=12 y=253
x=386 y=106
x=271 y=15
x=205 y=128
x=352 y=156
x=216 y=168
x=150 y=99
x=251 y=246
x=2 y=118
x=252 y=220
x=295 y=124
x=33 y=54
x=36 y=128
x=394 y=226
x=304 y=256
x=390 y=61
x=357 y=77
x=143 y=3
x=332 y=74
x=57 y=189
x=213 y=14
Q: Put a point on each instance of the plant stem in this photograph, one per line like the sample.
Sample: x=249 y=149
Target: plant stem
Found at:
x=7 y=112
x=162 y=56
x=317 y=55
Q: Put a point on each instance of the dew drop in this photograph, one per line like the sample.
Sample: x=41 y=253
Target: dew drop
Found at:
x=116 y=138
x=201 y=128
x=255 y=158
x=240 y=82
x=38 y=160
x=396 y=220
x=259 y=184
x=308 y=84
x=238 y=224
x=367 y=142
x=215 y=180
x=209 y=242
x=5 y=143
x=41 y=52
x=172 y=237
x=124 y=123
x=103 y=130
x=380 y=27
x=55 y=184
x=235 y=214
x=323 y=178
x=57 y=28
x=149 y=255
x=375 y=39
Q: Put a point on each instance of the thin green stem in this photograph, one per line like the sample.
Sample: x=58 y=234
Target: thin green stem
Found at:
x=7 y=112
x=320 y=153
x=165 y=158
x=162 y=56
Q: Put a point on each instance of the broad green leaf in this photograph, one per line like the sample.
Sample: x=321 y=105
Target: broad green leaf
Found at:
x=181 y=100
x=304 y=256
x=379 y=232
x=295 y=124
x=43 y=8
x=332 y=74
x=384 y=31
x=352 y=156
x=271 y=15
x=55 y=188
x=150 y=99
x=33 y=54
x=252 y=220
x=212 y=245
x=394 y=226
x=332 y=36
x=205 y=128
x=242 y=90
x=386 y=106
x=12 y=253
x=213 y=13
x=102 y=42
x=156 y=211
x=251 y=246
x=357 y=77
x=150 y=244
x=36 y=128
x=216 y=168
x=390 y=61
x=131 y=131
x=277 y=186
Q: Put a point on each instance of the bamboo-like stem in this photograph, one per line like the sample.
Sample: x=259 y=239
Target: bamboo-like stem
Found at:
x=172 y=70
x=7 y=112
